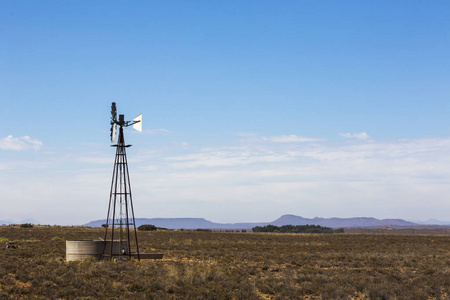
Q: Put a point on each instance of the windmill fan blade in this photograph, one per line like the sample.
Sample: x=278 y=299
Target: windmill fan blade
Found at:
x=138 y=123
x=113 y=132
x=113 y=111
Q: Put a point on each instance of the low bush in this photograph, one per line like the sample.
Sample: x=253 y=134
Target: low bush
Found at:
x=147 y=227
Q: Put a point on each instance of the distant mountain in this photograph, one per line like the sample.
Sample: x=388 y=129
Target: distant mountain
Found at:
x=196 y=223
x=340 y=222
x=432 y=222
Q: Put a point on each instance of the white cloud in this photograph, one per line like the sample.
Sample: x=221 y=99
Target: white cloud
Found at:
x=224 y=157
x=359 y=136
x=20 y=143
x=161 y=131
x=290 y=139
x=96 y=158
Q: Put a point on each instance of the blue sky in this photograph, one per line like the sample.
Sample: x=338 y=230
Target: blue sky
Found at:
x=252 y=109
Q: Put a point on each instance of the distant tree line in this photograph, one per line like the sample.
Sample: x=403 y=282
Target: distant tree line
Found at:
x=296 y=229
x=267 y=228
x=150 y=227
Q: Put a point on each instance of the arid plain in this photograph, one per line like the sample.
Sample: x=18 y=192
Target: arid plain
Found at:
x=229 y=265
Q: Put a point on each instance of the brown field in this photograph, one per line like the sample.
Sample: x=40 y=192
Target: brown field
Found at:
x=219 y=265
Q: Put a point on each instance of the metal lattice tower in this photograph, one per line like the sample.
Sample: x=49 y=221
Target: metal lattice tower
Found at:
x=121 y=240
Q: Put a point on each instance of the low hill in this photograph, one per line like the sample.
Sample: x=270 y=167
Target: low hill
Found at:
x=340 y=222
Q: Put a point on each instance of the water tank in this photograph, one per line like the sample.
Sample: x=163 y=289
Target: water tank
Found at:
x=79 y=250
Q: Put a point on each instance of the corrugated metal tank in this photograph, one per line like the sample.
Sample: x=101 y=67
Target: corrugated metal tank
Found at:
x=118 y=247
x=79 y=250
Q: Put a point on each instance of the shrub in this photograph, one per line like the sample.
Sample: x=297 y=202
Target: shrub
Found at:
x=3 y=239
x=26 y=225
x=56 y=238
x=147 y=227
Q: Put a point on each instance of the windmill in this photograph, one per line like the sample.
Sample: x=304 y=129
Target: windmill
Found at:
x=121 y=240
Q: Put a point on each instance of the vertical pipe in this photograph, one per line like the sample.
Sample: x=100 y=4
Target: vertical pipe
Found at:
x=132 y=212
x=120 y=194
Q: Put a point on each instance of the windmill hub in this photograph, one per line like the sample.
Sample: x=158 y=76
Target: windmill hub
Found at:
x=136 y=122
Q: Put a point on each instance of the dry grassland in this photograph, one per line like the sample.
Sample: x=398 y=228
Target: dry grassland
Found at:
x=216 y=265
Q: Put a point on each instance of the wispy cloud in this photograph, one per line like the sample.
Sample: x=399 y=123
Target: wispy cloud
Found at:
x=292 y=138
x=20 y=143
x=359 y=136
x=225 y=157
x=95 y=158
x=161 y=131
